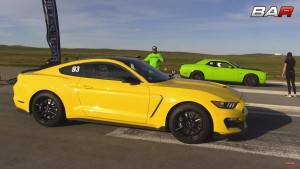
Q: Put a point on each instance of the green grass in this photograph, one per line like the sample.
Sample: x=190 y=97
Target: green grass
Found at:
x=34 y=57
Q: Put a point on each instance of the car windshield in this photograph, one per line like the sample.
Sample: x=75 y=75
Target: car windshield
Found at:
x=235 y=64
x=151 y=74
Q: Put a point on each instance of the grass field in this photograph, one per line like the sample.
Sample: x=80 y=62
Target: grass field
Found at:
x=34 y=57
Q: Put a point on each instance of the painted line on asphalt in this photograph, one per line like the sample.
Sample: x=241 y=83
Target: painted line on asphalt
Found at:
x=261 y=91
x=250 y=147
x=288 y=109
x=280 y=82
x=275 y=114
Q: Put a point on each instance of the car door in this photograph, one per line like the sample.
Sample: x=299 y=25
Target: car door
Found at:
x=224 y=71
x=103 y=95
x=208 y=70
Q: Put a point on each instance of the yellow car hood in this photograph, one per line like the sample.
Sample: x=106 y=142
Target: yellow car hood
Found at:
x=216 y=89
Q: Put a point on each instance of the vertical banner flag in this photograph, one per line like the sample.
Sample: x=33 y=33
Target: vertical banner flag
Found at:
x=53 y=38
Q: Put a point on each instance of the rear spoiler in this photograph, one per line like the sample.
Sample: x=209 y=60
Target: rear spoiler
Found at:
x=30 y=70
x=8 y=82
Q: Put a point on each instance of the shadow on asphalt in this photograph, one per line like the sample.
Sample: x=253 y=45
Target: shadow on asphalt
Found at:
x=74 y=123
x=260 y=124
x=272 y=85
x=254 y=87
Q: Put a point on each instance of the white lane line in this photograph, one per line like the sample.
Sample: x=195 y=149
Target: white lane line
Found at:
x=290 y=109
x=261 y=91
x=248 y=147
x=280 y=82
x=275 y=114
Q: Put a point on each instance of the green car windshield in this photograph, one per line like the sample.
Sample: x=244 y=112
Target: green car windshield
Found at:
x=235 y=64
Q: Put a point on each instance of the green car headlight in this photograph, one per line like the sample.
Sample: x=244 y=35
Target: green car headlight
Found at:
x=225 y=105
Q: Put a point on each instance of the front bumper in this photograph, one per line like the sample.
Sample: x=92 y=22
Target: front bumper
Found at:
x=232 y=121
x=236 y=123
x=263 y=79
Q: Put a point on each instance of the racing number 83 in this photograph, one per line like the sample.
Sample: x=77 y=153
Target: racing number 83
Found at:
x=75 y=68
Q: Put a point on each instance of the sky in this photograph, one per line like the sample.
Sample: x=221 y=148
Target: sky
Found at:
x=200 y=26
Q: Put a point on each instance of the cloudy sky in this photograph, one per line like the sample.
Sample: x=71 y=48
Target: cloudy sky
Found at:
x=201 y=26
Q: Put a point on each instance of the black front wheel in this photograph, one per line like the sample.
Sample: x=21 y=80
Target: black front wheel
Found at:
x=190 y=123
x=251 y=80
x=47 y=109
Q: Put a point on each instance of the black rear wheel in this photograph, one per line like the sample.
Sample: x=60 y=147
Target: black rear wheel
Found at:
x=197 y=75
x=190 y=123
x=47 y=109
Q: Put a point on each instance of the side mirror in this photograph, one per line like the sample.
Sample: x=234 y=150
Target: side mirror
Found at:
x=131 y=80
x=230 y=67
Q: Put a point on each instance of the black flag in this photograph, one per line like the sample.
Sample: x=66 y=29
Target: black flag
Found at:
x=53 y=38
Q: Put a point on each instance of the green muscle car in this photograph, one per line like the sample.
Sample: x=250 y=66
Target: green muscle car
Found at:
x=222 y=70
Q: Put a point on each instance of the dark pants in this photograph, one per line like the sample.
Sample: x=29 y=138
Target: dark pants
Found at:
x=290 y=78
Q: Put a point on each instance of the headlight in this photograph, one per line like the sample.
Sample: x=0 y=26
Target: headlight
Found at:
x=225 y=105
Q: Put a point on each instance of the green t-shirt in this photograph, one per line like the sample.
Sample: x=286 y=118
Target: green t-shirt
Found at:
x=154 y=60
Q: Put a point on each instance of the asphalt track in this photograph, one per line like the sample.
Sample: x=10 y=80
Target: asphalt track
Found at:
x=273 y=140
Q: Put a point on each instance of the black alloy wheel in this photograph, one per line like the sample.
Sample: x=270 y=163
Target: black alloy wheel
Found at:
x=189 y=123
x=197 y=75
x=47 y=110
x=251 y=80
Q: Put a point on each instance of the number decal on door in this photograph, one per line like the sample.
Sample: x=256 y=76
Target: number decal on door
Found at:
x=75 y=68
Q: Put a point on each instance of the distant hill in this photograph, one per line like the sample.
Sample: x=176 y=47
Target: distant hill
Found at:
x=31 y=57
x=106 y=50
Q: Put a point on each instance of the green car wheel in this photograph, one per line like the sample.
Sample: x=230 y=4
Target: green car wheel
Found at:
x=251 y=80
x=197 y=75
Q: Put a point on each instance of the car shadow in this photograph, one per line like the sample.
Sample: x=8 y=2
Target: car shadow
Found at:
x=272 y=85
x=74 y=123
x=261 y=121
x=258 y=86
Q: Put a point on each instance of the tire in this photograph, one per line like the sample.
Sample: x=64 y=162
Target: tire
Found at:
x=48 y=110
x=251 y=80
x=197 y=75
x=190 y=123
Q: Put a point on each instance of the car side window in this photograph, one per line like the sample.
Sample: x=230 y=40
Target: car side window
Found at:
x=106 y=71
x=223 y=65
x=73 y=70
x=212 y=64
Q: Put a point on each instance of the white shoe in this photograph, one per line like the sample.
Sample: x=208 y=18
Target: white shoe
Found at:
x=295 y=95
x=288 y=95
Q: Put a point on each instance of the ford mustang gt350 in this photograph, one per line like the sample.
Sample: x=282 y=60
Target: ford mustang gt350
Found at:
x=129 y=91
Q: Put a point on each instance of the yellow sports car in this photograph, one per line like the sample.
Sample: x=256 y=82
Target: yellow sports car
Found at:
x=129 y=91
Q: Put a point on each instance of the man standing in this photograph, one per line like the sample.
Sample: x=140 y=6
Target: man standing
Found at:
x=154 y=58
